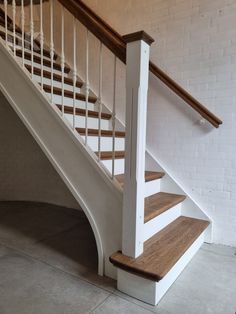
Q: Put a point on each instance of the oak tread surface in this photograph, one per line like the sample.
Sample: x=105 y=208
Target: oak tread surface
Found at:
x=104 y=133
x=37 y=59
x=149 y=176
x=68 y=93
x=108 y=155
x=19 y=34
x=160 y=202
x=163 y=250
x=27 y=43
x=82 y=112
x=56 y=77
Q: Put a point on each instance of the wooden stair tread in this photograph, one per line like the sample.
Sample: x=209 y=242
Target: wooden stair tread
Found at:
x=104 y=133
x=68 y=93
x=82 y=112
x=27 y=44
x=37 y=59
x=108 y=155
x=149 y=176
x=19 y=32
x=160 y=202
x=56 y=77
x=163 y=250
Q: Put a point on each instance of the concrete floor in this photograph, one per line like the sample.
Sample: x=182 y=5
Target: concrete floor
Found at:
x=48 y=263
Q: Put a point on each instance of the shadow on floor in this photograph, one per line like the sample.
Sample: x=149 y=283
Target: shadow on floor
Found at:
x=59 y=236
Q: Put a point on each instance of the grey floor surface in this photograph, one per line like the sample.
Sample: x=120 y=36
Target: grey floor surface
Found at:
x=48 y=263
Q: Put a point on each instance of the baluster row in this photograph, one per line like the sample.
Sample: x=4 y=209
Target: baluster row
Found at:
x=86 y=87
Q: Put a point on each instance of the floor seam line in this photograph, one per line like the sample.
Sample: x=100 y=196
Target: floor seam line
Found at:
x=54 y=267
x=99 y=305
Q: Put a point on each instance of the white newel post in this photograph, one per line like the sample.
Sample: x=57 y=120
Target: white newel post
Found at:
x=137 y=72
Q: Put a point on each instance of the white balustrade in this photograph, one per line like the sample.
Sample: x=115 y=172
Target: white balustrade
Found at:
x=52 y=45
x=74 y=70
x=6 y=22
x=86 y=85
x=14 y=25
x=23 y=32
x=62 y=59
x=41 y=41
x=32 y=36
x=99 y=101
x=114 y=119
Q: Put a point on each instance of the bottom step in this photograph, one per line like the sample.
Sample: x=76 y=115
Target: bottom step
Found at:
x=166 y=254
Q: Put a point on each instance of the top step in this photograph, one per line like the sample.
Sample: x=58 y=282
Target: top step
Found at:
x=163 y=250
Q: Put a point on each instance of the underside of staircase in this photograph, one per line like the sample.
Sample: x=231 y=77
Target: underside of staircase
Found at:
x=171 y=235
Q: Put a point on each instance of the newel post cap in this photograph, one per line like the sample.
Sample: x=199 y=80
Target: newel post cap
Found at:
x=141 y=35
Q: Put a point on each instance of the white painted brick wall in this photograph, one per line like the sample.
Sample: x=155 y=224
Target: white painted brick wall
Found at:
x=196 y=45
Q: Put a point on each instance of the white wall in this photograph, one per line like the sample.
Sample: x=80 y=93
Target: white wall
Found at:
x=195 y=44
x=25 y=172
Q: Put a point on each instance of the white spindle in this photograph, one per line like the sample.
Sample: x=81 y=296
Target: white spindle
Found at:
x=51 y=45
x=74 y=72
x=86 y=86
x=137 y=71
x=14 y=25
x=62 y=58
x=100 y=102
x=23 y=31
x=32 y=36
x=114 y=120
x=6 y=22
x=41 y=40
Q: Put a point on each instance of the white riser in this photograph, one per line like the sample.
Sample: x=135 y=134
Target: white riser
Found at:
x=106 y=143
x=38 y=66
x=160 y=222
x=150 y=291
x=152 y=187
x=69 y=102
x=47 y=81
x=92 y=122
x=119 y=166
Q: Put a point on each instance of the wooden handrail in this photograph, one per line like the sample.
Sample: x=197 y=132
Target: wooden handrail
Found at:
x=115 y=42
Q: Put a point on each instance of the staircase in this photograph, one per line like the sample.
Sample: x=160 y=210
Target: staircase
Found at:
x=172 y=227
